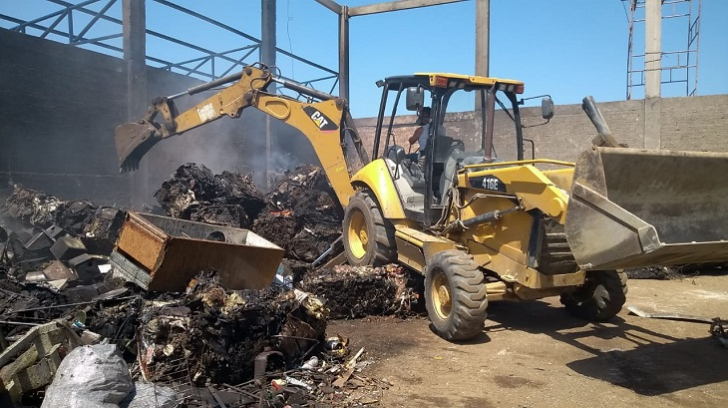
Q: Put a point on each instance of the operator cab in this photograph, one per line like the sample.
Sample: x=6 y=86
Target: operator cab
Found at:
x=424 y=178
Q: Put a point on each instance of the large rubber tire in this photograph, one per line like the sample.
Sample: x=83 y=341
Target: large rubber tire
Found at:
x=600 y=298
x=455 y=295
x=368 y=237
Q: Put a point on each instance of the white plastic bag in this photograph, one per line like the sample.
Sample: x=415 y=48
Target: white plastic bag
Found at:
x=90 y=376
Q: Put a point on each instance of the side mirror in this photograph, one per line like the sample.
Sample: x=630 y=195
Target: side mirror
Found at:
x=547 y=108
x=415 y=98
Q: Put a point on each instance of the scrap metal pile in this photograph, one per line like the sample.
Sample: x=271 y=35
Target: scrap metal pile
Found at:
x=60 y=287
x=300 y=214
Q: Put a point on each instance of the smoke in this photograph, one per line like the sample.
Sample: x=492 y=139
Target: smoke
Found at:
x=231 y=144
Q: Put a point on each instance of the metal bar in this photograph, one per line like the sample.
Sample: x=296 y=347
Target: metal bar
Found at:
x=180 y=64
x=675 y=16
x=240 y=62
x=320 y=79
x=61 y=33
x=697 y=46
x=207 y=19
x=213 y=55
x=150 y=32
x=242 y=34
x=18 y=323
x=313 y=64
x=344 y=54
x=69 y=7
x=70 y=26
x=79 y=7
x=96 y=17
x=395 y=6
x=203 y=63
x=52 y=26
x=185 y=69
x=331 y=5
x=336 y=81
x=98 y=39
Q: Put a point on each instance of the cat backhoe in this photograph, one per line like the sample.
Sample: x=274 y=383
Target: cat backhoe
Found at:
x=479 y=226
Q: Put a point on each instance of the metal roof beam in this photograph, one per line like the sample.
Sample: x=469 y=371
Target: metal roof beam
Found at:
x=396 y=6
x=331 y=5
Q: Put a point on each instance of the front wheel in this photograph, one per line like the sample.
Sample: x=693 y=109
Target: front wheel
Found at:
x=368 y=237
x=455 y=295
x=600 y=298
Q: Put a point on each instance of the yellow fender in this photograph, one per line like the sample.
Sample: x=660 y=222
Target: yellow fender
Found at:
x=378 y=179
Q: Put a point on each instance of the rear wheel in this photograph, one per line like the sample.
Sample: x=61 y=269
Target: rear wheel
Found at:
x=455 y=295
x=368 y=237
x=600 y=298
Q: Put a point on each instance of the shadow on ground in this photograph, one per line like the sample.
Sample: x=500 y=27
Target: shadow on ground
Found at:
x=657 y=364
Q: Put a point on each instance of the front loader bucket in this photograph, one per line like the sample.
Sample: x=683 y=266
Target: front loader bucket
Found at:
x=634 y=208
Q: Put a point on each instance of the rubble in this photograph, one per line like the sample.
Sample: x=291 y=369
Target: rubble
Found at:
x=351 y=292
x=300 y=214
x=201 y=343
x=194 y=193
x=213 y=333
x=674 y=272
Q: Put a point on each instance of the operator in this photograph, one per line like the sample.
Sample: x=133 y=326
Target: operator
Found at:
x=420 y=135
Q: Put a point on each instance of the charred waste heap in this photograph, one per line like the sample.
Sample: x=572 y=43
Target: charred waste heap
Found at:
x=55 y=271
x=300 y=214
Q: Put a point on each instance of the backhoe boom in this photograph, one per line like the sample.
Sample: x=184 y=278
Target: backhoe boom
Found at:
x=327 y=124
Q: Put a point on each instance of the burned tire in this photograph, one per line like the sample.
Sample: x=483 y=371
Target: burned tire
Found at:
x=600 y=298
x=455 y=295
x=368 y=237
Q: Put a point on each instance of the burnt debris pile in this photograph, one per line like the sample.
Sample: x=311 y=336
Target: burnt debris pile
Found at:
x=194 y=193
x=60 y=287
x=213 y=334
x=358 y=291
x=300 y=214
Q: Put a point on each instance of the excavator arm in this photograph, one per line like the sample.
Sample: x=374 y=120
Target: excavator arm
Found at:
x=327 y=123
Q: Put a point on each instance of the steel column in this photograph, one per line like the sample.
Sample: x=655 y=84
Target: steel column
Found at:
x=134 y=35
x=344 y=53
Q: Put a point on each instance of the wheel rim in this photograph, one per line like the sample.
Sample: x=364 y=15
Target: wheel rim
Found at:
x=441 y=296
x=358 y=235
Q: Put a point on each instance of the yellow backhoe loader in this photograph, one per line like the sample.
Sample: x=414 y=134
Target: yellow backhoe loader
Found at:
x=477 y=226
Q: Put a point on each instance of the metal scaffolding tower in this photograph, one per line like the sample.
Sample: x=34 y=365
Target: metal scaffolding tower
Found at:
x=677 y=59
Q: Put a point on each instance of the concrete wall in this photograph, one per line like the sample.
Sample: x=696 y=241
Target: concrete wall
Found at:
x=59 y=106
x=697 y=123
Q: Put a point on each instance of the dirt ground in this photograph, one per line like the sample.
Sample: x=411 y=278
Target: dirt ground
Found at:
x=533 y=354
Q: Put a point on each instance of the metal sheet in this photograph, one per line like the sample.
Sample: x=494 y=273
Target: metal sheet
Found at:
x=163 y=253
x=633 y=208
x=141 y=241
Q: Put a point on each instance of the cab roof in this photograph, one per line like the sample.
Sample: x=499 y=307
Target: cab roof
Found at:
x=432 y=78
x=472 y=79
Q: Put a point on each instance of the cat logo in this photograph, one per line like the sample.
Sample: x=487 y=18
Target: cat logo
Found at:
x=323 y=122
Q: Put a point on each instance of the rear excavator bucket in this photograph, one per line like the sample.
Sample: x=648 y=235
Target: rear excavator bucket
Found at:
x=133 y=141
x=634 y=208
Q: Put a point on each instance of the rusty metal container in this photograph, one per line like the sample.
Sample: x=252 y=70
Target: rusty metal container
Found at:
x=163 y=254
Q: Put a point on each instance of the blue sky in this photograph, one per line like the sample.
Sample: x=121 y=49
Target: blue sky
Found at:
x=565 y=48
